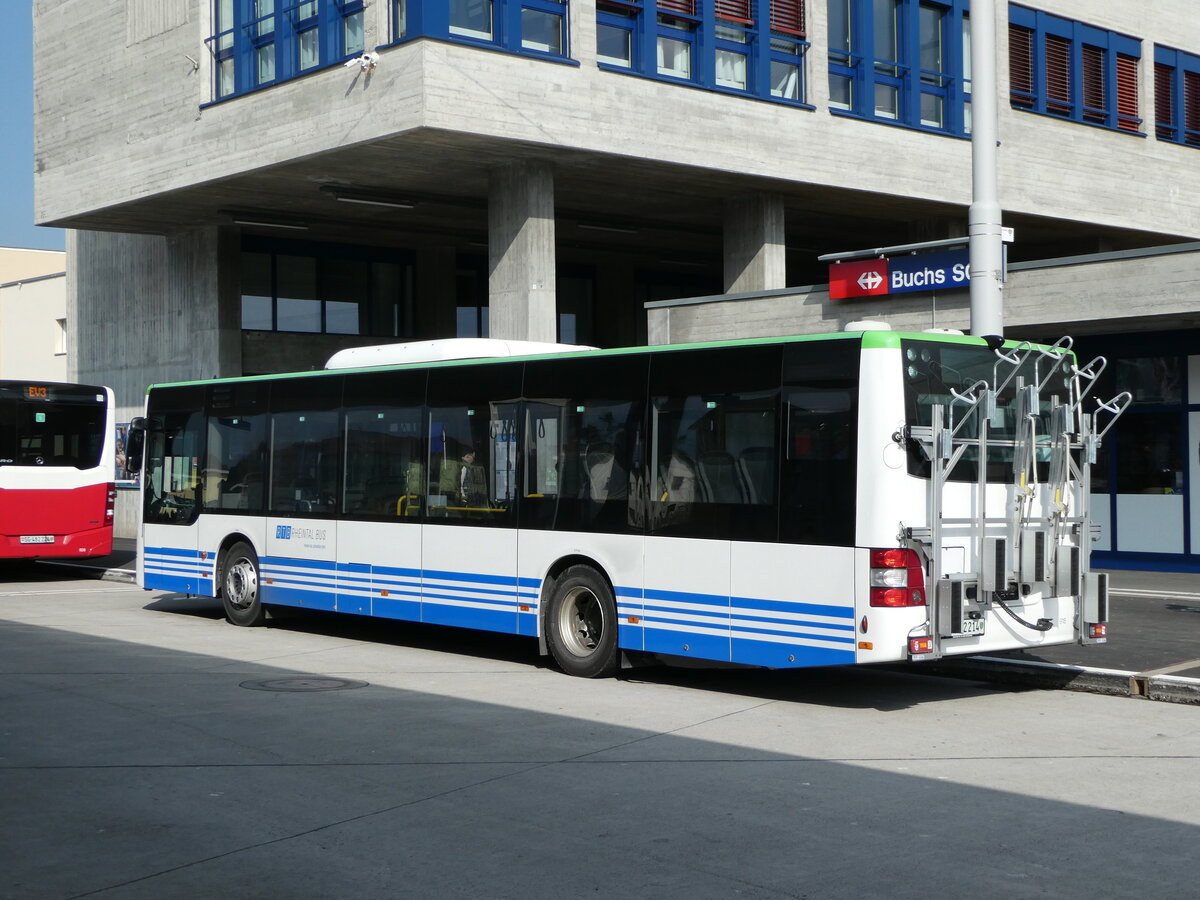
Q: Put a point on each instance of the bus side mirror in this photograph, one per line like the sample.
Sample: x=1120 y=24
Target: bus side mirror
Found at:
x=135 y=444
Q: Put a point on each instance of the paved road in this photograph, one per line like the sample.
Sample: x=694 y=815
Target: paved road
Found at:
x=140 y=756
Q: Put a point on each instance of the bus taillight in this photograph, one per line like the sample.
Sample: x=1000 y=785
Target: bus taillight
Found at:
x=897 y=578
x=110 y=505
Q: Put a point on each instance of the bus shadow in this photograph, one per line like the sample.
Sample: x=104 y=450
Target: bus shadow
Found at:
x=891 y=688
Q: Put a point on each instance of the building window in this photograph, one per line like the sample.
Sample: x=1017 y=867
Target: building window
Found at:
x=530 y=27
x=1072 y=70
x=325 y=289
x=901 y=33
x=1177 y=96
x=902 y=61
x=256 y=43
x=736 y=45
x=60 y=337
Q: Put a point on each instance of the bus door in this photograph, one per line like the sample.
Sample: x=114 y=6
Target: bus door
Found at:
x=169 y=555
x=469 y=539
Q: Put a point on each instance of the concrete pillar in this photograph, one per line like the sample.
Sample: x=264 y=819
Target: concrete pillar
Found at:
x=754 y=244
x=147 y=308
x=435 y=286
x=521 y=253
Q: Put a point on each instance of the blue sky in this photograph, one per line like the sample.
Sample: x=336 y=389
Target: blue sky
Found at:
x=16 y=132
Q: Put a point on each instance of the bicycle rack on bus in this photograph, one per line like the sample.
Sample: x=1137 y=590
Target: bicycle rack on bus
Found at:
x=1019 y=550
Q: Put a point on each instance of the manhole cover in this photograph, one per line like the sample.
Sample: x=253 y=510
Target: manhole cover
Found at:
x=303 y=683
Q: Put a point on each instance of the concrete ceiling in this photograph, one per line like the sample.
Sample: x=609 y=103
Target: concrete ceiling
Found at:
x=603 y=203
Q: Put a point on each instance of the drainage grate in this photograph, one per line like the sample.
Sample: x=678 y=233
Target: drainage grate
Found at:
x=1177 y=607
x=304 y=684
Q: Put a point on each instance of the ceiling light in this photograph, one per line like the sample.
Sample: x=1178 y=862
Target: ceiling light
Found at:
x=262 y=223
x=372 y=201
x=615 y=229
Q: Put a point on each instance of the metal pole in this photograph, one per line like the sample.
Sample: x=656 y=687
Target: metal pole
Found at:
x=983 y=220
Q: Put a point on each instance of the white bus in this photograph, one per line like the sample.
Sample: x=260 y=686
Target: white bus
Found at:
x=803 y=501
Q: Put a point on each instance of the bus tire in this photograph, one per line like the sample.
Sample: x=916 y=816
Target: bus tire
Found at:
x=240 y=586
x=581 y=624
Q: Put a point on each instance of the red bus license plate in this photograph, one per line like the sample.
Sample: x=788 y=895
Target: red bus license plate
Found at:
x=37 y=539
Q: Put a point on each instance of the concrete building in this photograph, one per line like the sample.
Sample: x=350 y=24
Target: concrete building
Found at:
x=254 y=184
x=33 y=314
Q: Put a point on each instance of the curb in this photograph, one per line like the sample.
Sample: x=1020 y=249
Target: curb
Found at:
x=1052 y=676
x=124 y=576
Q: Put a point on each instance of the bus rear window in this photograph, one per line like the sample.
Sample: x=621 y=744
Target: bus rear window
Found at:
x=932 y=370
x=64 y=435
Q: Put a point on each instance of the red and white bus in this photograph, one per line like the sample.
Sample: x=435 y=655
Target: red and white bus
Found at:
x=57 y=469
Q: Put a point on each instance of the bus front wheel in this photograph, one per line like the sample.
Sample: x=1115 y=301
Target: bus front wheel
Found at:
x=239 y=586
x=581 y=624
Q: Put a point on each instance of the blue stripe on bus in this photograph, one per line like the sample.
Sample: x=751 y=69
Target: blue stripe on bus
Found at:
x=796 y=634
x=469 y=617
x=493 y=601
x=172 y=551
x=788 y=656
x=773 y=624
x=392 y=607
x=798 y=607
x=473 y=590
x=180 y=584
x=745 y=629
x=394 y=572
x=298 y=563
x=686 y=597
x=474 y=577
x=286 y=595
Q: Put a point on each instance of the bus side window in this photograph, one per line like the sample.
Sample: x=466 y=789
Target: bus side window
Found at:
x=473 y=443
x=818 y=484
x=582 y=466
x=713 y=435
x=384 y=475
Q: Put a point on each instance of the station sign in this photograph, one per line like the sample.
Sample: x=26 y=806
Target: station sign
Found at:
x=877 y=277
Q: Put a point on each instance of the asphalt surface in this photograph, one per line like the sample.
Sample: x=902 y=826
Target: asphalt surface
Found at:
x=148 y=749
x=1154 y=630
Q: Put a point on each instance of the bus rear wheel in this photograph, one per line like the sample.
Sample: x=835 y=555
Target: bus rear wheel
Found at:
x=581 y=624
x=239 y=586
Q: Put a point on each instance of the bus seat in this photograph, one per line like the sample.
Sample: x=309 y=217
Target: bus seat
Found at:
x=757 y=465
x=721 y=478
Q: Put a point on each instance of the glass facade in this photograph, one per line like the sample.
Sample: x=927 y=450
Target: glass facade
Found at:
x=1146 y=485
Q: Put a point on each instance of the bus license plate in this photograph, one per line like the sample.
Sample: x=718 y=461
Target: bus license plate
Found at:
x=973 y=626
x=37 y=539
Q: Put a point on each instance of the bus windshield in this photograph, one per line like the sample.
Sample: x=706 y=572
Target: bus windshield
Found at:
x=53 y=431
x=932 y=370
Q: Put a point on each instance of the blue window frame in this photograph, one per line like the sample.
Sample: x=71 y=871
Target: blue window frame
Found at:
x=902 y=61
x=256 y=43
x=528 y=27
x=1072 y=70
x=753 y=47
x=1176 y=96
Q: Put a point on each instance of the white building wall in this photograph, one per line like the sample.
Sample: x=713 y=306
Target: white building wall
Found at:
x=33 y=310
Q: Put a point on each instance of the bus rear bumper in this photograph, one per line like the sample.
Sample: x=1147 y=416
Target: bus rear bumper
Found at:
x=79 y=545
